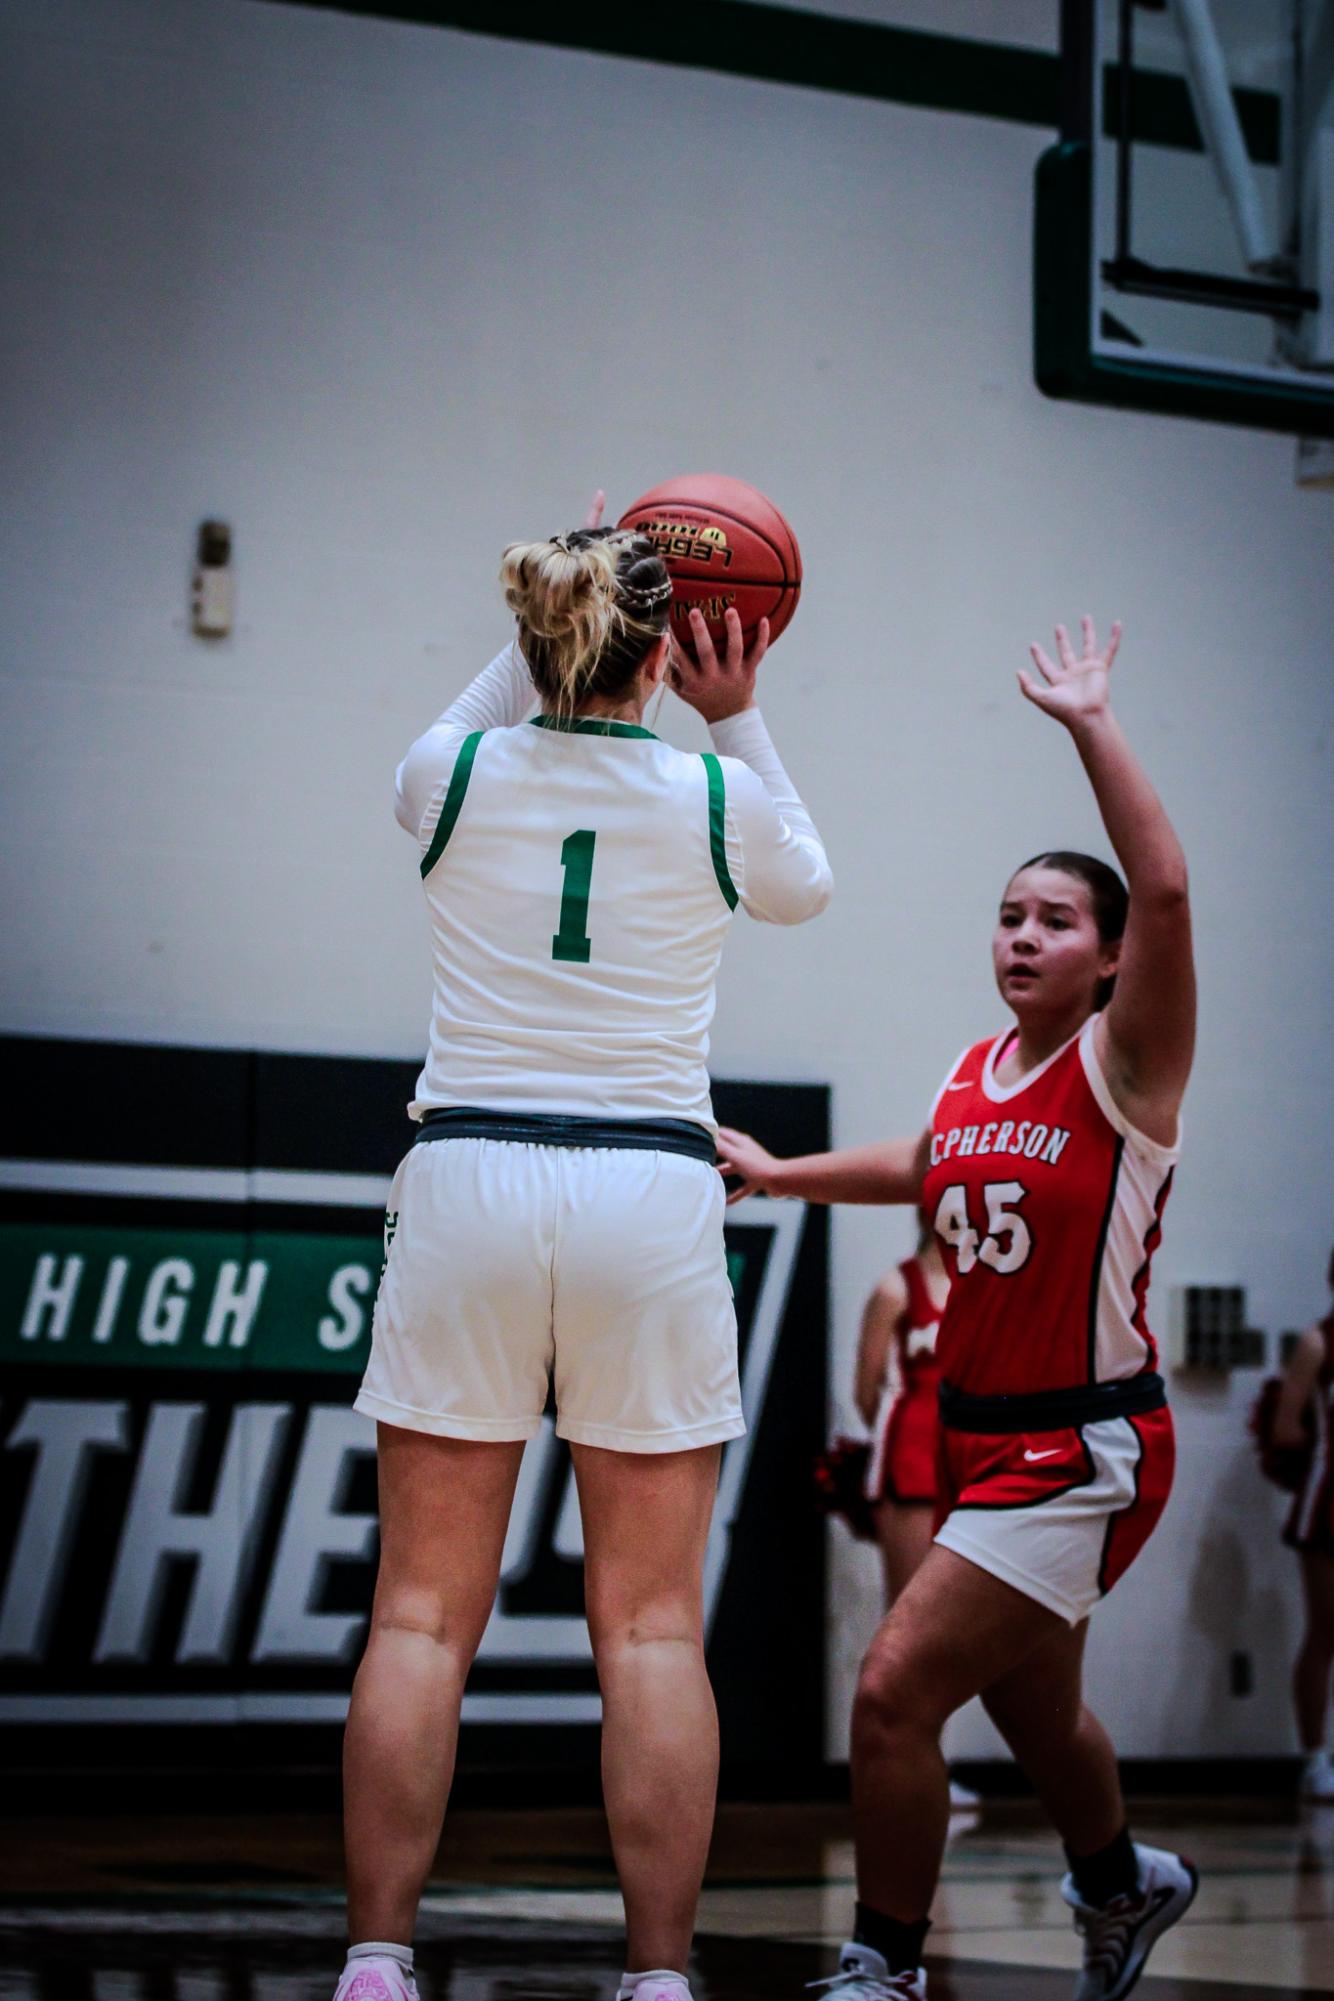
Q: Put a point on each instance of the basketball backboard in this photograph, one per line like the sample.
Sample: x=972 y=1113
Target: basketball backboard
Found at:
x=1184 y=227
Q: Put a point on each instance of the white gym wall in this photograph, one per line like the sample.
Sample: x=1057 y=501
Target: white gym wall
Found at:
x=387 y=297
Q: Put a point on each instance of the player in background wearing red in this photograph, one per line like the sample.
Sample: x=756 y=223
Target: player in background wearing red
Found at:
x=1308 y=1394
x=1045 y=1168
x=896 y=1388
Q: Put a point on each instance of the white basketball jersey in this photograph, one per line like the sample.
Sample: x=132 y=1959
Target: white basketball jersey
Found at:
x=580 y=879
x=579 y=897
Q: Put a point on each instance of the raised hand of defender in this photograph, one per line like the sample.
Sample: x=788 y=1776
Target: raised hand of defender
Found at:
x=1078 y=687
x=593 y=518
x=739 y=1154
x=718 y=688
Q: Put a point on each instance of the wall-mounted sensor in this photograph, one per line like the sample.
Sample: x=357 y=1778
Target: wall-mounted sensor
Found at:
x=211 y=584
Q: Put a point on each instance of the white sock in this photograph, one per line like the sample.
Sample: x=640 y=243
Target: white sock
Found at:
x=378 y=1948
x=629 y=1981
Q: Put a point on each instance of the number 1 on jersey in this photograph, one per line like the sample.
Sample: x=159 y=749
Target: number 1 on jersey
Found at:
x=572 y=941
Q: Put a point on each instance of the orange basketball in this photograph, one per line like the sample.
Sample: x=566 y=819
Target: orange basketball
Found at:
x=724 y=544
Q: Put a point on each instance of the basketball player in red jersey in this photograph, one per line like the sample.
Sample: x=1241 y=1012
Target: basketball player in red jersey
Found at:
x=1308 y=1393
x=897 y=1394
x=1045 y=1168
x=896 y=1391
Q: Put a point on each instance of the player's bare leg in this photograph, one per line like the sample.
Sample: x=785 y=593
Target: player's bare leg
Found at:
x=646 y=1524
x=904 y=1532
x=444 y=1506
x=903 y=1529
x=1040 y=1711
x=1311 y=1675
x=1124 y=1895
x=954 y=1631
x=1315 y=1662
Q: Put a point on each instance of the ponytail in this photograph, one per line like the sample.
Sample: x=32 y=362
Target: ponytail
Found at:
x=589 y=606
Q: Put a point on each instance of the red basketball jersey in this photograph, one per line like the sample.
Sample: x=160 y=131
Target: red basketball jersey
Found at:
x=905 y=1438
x=1049 y=1206
x=917 y=1326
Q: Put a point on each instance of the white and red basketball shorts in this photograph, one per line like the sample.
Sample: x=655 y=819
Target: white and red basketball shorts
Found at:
x=1059 y=1514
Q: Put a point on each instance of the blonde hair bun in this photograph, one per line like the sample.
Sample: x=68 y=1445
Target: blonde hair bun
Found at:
x=589 y=606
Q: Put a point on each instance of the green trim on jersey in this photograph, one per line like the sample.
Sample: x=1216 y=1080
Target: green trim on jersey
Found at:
x=590 y=726
x=449 y=812
x=717 y=828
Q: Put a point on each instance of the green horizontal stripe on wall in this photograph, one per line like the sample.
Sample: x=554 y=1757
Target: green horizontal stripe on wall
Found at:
x=218 y=1301
x=185 y=1299
x=825 y=52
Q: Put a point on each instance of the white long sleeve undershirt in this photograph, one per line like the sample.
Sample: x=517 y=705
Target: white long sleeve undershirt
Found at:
x=778 y=864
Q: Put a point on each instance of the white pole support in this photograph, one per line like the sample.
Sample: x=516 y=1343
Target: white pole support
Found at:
x=1211 y=94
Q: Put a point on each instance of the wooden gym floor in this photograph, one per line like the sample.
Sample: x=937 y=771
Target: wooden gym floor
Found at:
x=522 y=1905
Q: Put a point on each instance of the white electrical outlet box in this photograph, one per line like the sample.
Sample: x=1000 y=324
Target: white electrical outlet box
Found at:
x=211 y=582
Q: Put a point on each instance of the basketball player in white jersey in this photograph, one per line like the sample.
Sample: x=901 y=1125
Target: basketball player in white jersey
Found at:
x=561 y=1215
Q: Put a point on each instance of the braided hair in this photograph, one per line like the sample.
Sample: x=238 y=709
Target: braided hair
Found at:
x=590 y=604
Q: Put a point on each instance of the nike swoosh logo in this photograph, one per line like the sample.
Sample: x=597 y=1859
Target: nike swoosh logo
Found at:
x=1051 y=1453
x=960 y=1087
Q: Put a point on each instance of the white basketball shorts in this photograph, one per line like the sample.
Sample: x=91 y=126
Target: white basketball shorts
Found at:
x=1059 y=1515
x=510 y=1264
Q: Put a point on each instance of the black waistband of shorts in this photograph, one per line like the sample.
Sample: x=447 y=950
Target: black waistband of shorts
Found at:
x=1052 y=1410
x=563 y=1129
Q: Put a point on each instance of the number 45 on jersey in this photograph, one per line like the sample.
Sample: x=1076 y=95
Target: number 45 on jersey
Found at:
x=1007 y=1240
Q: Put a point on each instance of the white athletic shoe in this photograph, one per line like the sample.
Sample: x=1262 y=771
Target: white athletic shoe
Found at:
x=659 y=1985
x=962 y=1798
x=375 y=1979
x=1318 y=1777
x=864 y=1975
x=1118 y=1936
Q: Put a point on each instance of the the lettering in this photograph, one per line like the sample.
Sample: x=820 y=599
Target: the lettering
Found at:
x=51 y=1299
x=113 y=1289
x=1035 y=1142
x=234 y=1306
x=688 y=541
x=713 y=608
x=221 y=1539
x=316 y=1531
x=166 y=1302
x=66 y=1436
x=347 y=1288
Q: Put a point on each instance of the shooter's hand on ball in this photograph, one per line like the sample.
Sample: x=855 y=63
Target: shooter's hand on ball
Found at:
x=718 y=688
x=739 y=1154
